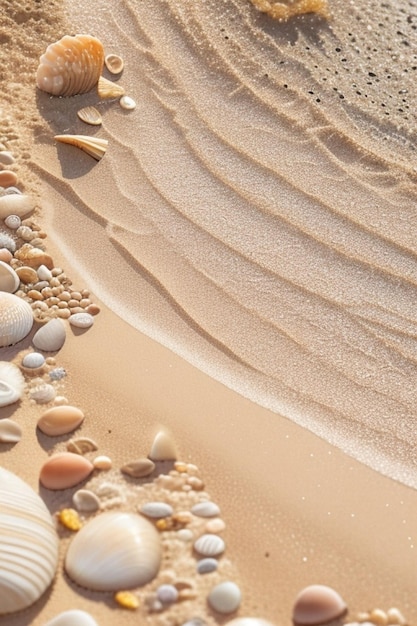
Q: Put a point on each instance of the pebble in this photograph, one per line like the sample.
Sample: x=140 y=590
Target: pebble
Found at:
x=195 y=621
x=127 y=600
x=126 y=102
x=225 y=597
x=215 y=525
x=10 y=431
x=396 y=617
x=85 y=501
x=156 y=509
x=138 y=469
x=6 y=157
x=64 y=470
x=103 y=463
x=209 y=545
x=204 y=566
x=58 y=373
x=317 y=604
x=5 y=255
x=81 y=320
x=206 y=509
x=185 y=534
x=167 y=594
x=7 y=178
x=33 y=360
x=70 y=519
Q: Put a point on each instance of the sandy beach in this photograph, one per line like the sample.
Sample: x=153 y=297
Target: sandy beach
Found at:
x=249 y=239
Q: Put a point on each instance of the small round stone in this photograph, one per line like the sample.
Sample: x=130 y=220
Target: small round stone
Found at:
x=209 y=545
x=205 y=509
x=126 y=102
x=215 y=525
x=185 y=534
x=102 y=462
x=6 y=157
x=7 y=178
x=167 y=594
x=80 y=320
x=33 y=360
x=225 y=597
x=204 y=566
x=317 y=604
x=156 y=509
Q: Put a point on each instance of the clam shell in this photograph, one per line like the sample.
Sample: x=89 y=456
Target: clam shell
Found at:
x=33 y=257
x=317 y=604
x=16 y=204
x=10 y=431
x=156 y=509
x=205 y=509
x=28 y=545
x=225 y=597
x=86 y=501
x=16 y=319
x=9 y=280
x=163 y=447
x=74 y=617
x=139 y=468
x=60 y=420
x=64 y=470
x=81 y=320
x=50 y=337
x=90 y=115
x=70 y=66
x=114 y=551
x=209 y=545
x=114 y=63
x=94 y=146
x=13 y=221
x=249 y=621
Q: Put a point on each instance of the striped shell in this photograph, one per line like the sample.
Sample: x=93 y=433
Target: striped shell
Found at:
x=28 y=545
x=93 y=146
x=114 y=551
x=70 y=66
x=12 y=383
x=209 y=545
x=90 y=115
x=16 y=319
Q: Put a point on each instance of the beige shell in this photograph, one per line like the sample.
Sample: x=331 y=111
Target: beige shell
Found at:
x=16 y=319
x=107 y=89
x=90 y=115
x=12 y=383
x=114 y=551
x=9 y=280
x=127 y=103
x=114 y=63
x=33 y=257
x=16 y=204
x=27 y=274
x=10 y=431
x=50 y=337
x=317 y=604
x=60 y=420
x=73 y=617
x=70 y=66
x=139 y=468
x=64 y=470
x=163 y=447
x=94 y=146
x=28 y=545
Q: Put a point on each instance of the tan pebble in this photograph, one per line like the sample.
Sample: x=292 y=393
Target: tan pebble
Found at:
x=34 y=294
x=42 y=234
x=192 y=469
x=56 y=290
x=62 y=304
x=27 y=274
x=185 y=534
x=76 y=309
x=60 y=420
x=183 y=517
x=186 y=488
x=33 y=257
x=102 y=463
x=60 y=400
x=5 y=255
x=215 y=525
x=93 y=309
x=186 y=594
x=81 y=445
x=50 y=360
x=127 y=600
x=38 y=243
x=180 y=467
x=56 y=271
x=52 y=300
x=75 y=295
x=195 y=483
x=86 y=501
x=47 y=293
x=70 y=519
x=65 y=295
x=6 y=157
x=378 y=617
x=85 y=302
x=54 y=282
x=139 y=469
x=8 y=178
x=73 y=303
x=395 y=617
x=85 y=293
x=39 y=304
x=64 y=314
x=10 y=431
x=64 y=470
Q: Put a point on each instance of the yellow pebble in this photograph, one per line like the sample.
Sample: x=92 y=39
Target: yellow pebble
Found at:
x=162 y=524
x=127 y=600
x=180 y=467
x=70 y=519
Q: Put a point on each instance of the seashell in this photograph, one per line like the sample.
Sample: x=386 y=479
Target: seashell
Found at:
x=395 y=616
x=7 y=242
x=81 y=445
x=70 y=66
x=6 y=157
x=60 y=420
x=205 y=566
x=5 y=255
x=9 y=280
x=16 y=204
x=74 y=617
x=33 y=257
x=94 y=146
x=90 y=115
x=167 y=594
x=156 y=509
x=27 y=274
x=114 y=63
x=163 y=447
x=44 y=273
x=209 y=545
x=16 y=319
x=139 y=468
x=50 y=337
x=28 y=545
x=12 y=221
x=249 y=621
x=12 y=190
x=225 y=597
x=114 y=551
x=43 y=393
x=205 y=509
x=102 y=462
x=64 y=470
x=108 y=89
x=10 y=431
x=12 y=383
x=318 y=604
x=7 y=178
x=126 y=102
x=85 y=501
x=81 y=320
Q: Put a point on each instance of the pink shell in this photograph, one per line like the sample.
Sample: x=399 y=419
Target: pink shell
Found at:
x=64 y=470
x=317 y=604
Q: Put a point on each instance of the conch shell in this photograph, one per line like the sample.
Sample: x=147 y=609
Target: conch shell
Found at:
x=70 y=66
x=94 y=146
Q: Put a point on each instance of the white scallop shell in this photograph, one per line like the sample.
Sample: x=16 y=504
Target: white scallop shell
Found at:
x=13 y=222
x=28 y=545
x=81 y=320
x=205 y=509
x=249 y=621
x=16 y=319
x=12 y=383
x=9 y=280
x=209 y=545
x=50 y=337
x=156 y=509
x=114 y=551
x=225 y=597
x=74 y=617
x=15 y=204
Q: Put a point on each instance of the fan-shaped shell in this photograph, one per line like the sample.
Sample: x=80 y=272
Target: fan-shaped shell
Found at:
x=317 y=604
x=16 y=319
x=70 y=66
x=114 y=551
x=15 y=204
x=74 y=617
x=107 y=89
x=90 y=115
x=12 y=383
x=9 y=280
x=28 y=545
x=50 y=337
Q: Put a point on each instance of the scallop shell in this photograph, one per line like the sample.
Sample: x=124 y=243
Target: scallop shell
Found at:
x=205 y=509
x=249 y=621
x=225 y=597
x=114 y=551
x=28 y=545
x=13 y=222
x=60 y=420
x=9 y=280
x=74 y=617
x=163 y=447
x=70 y=66
x=94 y=146
x=90 y=115
x=10 y=431
x=50 y=337
x=114 y=63
x=209 y=545
x=156 y=509
x=317 y=604
x=15 y=204
x=108 y=89
x=64 y=470
x=16 y=319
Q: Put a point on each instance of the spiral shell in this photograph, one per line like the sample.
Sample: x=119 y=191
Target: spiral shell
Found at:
x=15 y=204
x=9 y=280
x=16 y=319
x=28 y=545
x=13 y=222
x=114 y=551
x=70 y=66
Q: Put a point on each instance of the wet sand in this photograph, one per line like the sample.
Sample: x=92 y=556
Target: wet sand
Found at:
x=252 y=250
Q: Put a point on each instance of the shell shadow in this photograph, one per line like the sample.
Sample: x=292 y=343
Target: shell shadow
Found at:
x=310 y=27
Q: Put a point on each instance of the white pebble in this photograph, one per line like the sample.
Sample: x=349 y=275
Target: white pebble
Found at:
x=167 y=594
x=81 y=320
x=204 y=566
x=225 y=597
x=205 y=509
x=85 y=500
x=33 y=360
x=209 y=545
x=126 y=102
x=156 y=509
x=6 y=158
x=44 y=273
x=102 y=462
x=185 y=534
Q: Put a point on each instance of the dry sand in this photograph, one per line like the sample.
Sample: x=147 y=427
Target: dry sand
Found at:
x=249 y=236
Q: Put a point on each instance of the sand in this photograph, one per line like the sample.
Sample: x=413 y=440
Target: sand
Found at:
x=248 y=236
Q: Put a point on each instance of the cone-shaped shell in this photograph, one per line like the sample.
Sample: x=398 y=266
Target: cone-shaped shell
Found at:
x=12 y=383
x=15 y=204
x=317 y=604
x=74 y=617
x=94 y=146
x=70 y=66
x=114 y=551
x=60 y=420
x=50 y=337
x=16 y=319
x=9 y=280
x=64 y=470
x=28 y=545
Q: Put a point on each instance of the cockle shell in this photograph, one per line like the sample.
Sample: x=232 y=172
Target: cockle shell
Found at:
x=64 y=470
x=50 y=337
x=249 y=621
x=107 y=89
x=28 y=545
x=10 y=431
x=114 y=63
x=60 y=420
x=209 y=545
x=74 y=617
x=16 y=319
x=70 y=66
x=225 y=597
x=15 y=204
x=90 y=115
x=94 y=146
x=9 y=280
x=114 y=551
x=317 y=604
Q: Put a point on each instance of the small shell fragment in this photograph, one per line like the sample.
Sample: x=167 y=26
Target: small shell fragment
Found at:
x=156 y=509
x=90 y=115
x=163 y=447
x=81 y=445
x=85 y=501
x=94 y=146
x=108 y=89
x=64 y=470
x=10 y=431
x=43 y=393
x=114 y=63
x=317 y=604
x=139 y=468
x=126 y=102
x=209 y=545
x=60 y=420
x=207 y=565
x=127 y=600
x=74 y=617
x=70 y=519
x=225 y=597
x=44 y=273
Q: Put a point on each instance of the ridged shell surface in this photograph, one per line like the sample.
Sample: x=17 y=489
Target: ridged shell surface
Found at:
x=74 y=617
x=114 y=551
x=28 y=545
x=50 y=337
x=16 y=319
x=70 y=66
x=209 y=545
x=12 y=383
